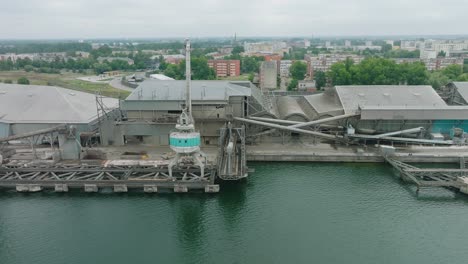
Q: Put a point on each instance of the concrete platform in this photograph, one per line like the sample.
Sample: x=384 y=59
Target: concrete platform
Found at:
x=61 y=188
x=120 y=188
x=180 y=189
x=90 y=188
x=150 y=188
x=28 y=188
x=330 y=153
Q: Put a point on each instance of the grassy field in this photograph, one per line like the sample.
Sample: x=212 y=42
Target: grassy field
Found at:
x=65 y=80
x=243 y=77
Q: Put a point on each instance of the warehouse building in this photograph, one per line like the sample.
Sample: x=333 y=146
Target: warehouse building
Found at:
x=28 y=108
x=376 y=109
x=152 y=109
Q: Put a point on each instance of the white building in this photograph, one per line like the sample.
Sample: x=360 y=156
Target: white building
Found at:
x=323 y=62
x=265 y=48
x=412 y=45
x=356 y=48
x=284 y=66
x=428 y=54
x=447 y=47
x=306 y=85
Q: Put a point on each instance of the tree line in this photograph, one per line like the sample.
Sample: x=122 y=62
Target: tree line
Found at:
x=76 y=63
x=44 y=47
x=199 y=66
x=381 y=71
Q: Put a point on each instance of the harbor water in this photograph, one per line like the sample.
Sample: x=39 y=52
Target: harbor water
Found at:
x=284 y=213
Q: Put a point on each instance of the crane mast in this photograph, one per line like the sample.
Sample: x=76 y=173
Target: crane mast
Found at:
x=188 y=77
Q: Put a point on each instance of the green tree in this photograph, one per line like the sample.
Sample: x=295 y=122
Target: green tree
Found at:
x=23 y=80
x=298 y=70
x=173 y=71
x=292 y=85
x=402 y=54
x=237 y=50
x=377 y=71
x=438 y=79
x=251 y=76
x=339 y=75
x=200 y=69
x=162 y=63
x=104 y=51
x=441 y=54
x=374 y=71
x=29 y=68
x=414 y=73
x=100 y=68
x=7 y=81
x=453 y=71
x=386 y=47
x=297 y=53
x=250 y=64
x=320 y=79
x=463 y=78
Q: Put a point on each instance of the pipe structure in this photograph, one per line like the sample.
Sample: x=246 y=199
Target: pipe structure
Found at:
x=324 y=120
x=399 y=132
x=59 y=128
x=279 y=121
x=407 y=140
x=289 y=128
x=288 y=122
x=301 y=124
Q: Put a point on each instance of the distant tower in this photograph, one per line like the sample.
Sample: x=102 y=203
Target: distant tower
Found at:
x=234 y=42
x=185 y=141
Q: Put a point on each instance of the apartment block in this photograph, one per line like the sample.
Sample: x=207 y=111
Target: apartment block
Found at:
x=225 y=68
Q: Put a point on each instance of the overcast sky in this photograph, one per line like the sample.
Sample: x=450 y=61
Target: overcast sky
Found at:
x=28 y=19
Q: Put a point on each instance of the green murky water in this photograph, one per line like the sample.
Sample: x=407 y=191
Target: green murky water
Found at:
x=285 y=213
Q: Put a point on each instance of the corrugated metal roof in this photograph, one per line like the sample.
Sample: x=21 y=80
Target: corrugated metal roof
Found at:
x=47 y=104
x=157 y=90
x=462 y=88
x=289 y=109
x=352 y=97
x=414 y=113
x=324 y=103
x=161 y=77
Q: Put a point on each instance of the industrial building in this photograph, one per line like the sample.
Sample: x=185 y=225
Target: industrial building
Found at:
x=363 y=113
x=268 y=75
x=29 y=108
x=152 y=109
x=229 y=117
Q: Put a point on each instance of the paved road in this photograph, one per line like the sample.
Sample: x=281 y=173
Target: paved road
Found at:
x=116 y=83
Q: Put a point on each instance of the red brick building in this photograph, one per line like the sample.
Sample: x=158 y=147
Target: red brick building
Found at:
x=273 y=57
x=224 y=68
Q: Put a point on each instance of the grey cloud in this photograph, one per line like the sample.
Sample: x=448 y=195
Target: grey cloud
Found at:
x=156 y=18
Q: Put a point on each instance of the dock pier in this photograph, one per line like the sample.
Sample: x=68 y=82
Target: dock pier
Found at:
x=121 y=179
x=432 y=177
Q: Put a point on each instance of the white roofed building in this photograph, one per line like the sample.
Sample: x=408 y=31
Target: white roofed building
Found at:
x=28 y=108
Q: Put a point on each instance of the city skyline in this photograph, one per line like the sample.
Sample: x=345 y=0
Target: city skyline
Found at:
x=84 y=19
